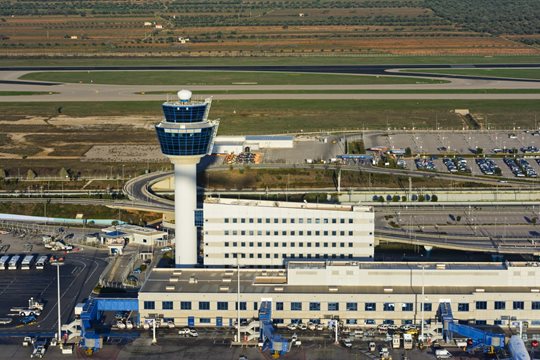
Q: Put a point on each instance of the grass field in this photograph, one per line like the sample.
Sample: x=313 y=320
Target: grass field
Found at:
x=22 y=93
x=419 y=91
x=503 y=73
x=216 y=78
x=268 y=60
x=281 y=116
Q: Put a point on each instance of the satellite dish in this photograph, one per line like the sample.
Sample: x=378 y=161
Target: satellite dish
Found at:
x=184 y=95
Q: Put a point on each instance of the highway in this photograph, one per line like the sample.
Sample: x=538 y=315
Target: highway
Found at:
x=9 y=81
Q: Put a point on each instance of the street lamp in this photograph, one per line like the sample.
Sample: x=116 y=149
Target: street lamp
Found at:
x=58 y=264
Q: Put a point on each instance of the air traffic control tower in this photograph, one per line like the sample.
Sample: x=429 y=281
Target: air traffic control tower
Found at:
x=186 y=135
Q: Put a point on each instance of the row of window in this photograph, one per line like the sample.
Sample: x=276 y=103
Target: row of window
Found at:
x=335 y=306
x=285 y=244
x=289 y=256
x=287 y=221
x=285 y=233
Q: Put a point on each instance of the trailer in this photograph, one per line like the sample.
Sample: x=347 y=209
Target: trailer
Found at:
x=27 y=262
x=3 y=262
x=14 y=262
x=41 y=261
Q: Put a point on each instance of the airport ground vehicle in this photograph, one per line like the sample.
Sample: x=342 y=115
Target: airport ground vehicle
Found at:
x=3 y=262
x=14 y=262
x=442 y=354
x=407 y=341
x=41 y=261
x=396 y=341
x=27 y=262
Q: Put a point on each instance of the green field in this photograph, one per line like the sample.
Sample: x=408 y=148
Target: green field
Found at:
x=217 y=78
x=412 y=91
x=269 y=60
x=22 y=93
x=503 y=73
x=282 y=116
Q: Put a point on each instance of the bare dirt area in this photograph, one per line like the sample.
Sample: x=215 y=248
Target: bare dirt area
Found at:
x=65 y=137
x=124 y=153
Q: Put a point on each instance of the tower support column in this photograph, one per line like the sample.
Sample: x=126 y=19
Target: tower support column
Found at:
x=185 y=204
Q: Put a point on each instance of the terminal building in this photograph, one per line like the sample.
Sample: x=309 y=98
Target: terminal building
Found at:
x=356 y=293
x=314 y=262
x=268 y=233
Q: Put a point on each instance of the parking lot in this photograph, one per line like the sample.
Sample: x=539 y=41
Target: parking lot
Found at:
x=78 y=276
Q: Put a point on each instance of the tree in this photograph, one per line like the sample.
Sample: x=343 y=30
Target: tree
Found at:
x=408 y=151
x=3 y=174
x=434 y=198
x=63 y=173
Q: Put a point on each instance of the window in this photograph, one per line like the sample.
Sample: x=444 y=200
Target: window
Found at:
x=314 y=306
x=480 y=322
x=500 y=305
x=279 y=305
x=370 y=307
x=333 y=306
x=317 y=221
x=351 y=321
x=309 y=221
x=325 y=233
x=185 y=305
x=149 y=305
x=204 y=320
x=342 y=221
x=300 y=221
x=407 y=307
x=204 y=305
x=352 y=306
x=243 y=220
x=255 y=306
x=259 y=220
x=226 y=220
x=251 y=220
x=334 y=233
x=463 y=307
x=481 y=305
x=535 y=305
x=427 y=306
x=167 y=305
x=334 y=221
x=243 y=232
x=222 y=305
x=369 y=322
x=234 y=220
x=389 y=307
x=296 y=306
x=292 y=221
x=276 y=220
x=325 y=221
x=284 y=220
x=519 y=305
x=226 y=233
x=226 y=244
x=350 y=221
x=243 y=305
x=268 y=220
x=350 y=233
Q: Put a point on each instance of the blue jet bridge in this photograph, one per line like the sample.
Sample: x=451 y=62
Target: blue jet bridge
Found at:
x=269 y=338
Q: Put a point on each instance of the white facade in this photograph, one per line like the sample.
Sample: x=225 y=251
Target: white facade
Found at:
x=237 y=144
x=368 y=294
x=265 y=233
x=138 y=234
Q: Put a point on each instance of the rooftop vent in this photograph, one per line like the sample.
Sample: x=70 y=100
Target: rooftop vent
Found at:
x=223 y=288
x=479 y=290
x=177 y=273
x=193 y=280
x=278 y=289
x=226 y=280
x=388 y=290
x=441 y=266
x=535 y=290
x=333 y=289
x=170 y=287
x=173 y=279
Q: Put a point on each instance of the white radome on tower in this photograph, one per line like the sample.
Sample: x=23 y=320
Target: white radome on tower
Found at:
x=184 y=95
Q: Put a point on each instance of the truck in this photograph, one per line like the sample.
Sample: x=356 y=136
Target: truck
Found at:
x=407 y=341
x=396 y=341
x=14 y=262
x=3 y=262
x=41 y=261
x=27 y=262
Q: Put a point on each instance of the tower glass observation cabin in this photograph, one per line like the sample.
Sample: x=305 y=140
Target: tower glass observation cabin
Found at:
x=185 y=136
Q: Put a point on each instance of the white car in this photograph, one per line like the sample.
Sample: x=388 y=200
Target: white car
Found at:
x=188 y=332
x=319 y=327
x=166 y=248
x=311 y=326
x=170 y=324
x=347 y=343
x=292 y=326
x=129 y=325
x=302 y=326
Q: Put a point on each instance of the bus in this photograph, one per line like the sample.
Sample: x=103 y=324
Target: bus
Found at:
x=41 y=261
x=14 y=262
x=3 y=262
x=27 y=262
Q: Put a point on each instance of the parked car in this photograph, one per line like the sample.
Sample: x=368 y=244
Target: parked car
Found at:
x=166 y=248
x=292 y=326
x=188 y=332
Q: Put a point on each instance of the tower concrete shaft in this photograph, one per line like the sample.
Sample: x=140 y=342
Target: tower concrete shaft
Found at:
x=185 y=136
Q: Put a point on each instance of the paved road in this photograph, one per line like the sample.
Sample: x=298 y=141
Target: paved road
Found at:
x=98 y=92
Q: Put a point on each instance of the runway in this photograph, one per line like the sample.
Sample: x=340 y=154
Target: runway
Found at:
x=9 y=81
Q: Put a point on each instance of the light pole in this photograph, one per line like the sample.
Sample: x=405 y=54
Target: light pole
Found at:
x=58 y=264
x=422 y=305
x=238 y=298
